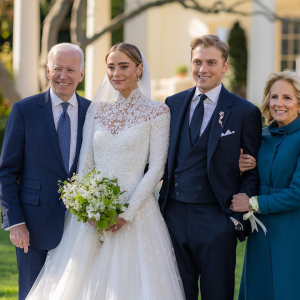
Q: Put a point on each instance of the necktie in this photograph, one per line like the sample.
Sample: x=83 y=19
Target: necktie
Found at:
x=64 y=135
x=197 y=119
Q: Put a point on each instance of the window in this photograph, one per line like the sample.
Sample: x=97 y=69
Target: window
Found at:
x=290 y=44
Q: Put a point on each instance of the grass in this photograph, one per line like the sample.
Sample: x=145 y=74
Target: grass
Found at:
x=9 y=271
x=240 y=252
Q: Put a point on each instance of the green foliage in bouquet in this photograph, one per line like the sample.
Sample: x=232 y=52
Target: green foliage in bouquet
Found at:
x=93 y=197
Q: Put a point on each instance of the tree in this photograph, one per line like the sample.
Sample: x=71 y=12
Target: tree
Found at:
x=238 y=59
x=6 y=82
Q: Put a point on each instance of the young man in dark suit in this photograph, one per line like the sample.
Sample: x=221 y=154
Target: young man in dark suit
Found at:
x=209 y=126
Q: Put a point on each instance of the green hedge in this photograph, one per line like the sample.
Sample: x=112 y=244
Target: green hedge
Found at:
x=3 y=121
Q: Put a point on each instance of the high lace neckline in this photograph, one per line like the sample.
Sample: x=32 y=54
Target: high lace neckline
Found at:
x=134 y=95
x=115 y=116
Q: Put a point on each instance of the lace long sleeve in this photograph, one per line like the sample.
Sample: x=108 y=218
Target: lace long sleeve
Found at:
x=159 y=144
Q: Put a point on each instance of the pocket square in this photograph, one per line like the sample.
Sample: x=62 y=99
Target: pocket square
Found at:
x=228 y=132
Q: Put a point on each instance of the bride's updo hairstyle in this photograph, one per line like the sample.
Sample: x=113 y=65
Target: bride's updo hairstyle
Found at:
x=130 y=51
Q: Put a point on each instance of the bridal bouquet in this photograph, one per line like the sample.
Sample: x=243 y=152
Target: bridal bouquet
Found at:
x=93 y=197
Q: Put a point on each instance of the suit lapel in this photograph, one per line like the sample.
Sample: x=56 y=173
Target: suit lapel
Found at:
x=81 y=118
x=177 y=117
x=46 y=115
x=223 y=105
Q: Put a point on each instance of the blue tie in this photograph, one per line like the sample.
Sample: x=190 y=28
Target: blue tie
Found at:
x=64 y=135
x=197 y=120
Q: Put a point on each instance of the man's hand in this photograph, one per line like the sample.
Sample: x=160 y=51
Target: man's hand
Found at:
x=240 y=203
x=19 y=236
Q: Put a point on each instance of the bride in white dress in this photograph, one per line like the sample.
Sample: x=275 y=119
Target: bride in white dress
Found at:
x=123 y=131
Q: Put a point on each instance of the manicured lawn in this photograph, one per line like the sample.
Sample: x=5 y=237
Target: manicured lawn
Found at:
x=9 y=271
x=239 y=267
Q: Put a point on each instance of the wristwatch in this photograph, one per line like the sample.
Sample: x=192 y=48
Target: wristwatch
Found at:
x=237 y=225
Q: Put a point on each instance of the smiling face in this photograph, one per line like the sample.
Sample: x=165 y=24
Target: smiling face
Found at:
x=122 y=72
x=284 y=105
x=64 y=73
x=207 y=67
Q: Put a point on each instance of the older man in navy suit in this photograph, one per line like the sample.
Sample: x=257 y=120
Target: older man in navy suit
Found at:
x=41 y=146
x=209 y=126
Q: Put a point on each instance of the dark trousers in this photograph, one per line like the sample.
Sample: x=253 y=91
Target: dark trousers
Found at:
x=204 y=241
x=29 y=265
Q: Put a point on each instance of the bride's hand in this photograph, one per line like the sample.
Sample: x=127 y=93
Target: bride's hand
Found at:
x=246 y=162
x=118 y=225
x=93 y=223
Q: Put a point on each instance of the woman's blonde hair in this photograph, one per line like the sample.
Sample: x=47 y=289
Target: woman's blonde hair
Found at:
x=286 y=75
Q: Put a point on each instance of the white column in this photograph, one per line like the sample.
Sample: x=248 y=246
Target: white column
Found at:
x=261 y=58
x=26 y=46
x=98 y=16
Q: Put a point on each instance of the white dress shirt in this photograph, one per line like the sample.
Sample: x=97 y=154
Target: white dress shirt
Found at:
x=210 y=104
x=73 y=113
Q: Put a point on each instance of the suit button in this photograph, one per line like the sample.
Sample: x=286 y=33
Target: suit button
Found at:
x=200 y=189
x=176 y=184
x=177 y=194
x=204 y=180
x=165 y=197
x=175 y=175
x=195 y=196
x=168 y=176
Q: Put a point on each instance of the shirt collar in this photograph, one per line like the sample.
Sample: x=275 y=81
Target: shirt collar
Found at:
x=55 y=100
x=213 y=94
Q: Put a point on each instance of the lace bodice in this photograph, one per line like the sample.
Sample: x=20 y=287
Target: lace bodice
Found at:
x=127 y=134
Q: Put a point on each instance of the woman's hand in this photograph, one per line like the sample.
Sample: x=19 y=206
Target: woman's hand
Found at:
x=118 y=225
x=240 y=203
x=246 y=162
x=93 y=223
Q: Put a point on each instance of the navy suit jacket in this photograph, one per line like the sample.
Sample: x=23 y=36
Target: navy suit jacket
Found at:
x=31 y=166
x=223 y=153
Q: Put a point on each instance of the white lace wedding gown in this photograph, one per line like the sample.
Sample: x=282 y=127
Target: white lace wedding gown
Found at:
x=137 y=262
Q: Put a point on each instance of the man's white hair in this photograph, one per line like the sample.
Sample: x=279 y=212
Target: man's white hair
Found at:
x=66 y=47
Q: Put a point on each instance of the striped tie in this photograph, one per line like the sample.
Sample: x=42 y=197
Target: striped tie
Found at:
x=64 y=135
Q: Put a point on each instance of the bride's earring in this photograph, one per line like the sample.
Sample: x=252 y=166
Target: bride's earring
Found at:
x=138 y=78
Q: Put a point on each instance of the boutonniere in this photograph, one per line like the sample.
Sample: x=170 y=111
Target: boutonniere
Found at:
x=221 y=113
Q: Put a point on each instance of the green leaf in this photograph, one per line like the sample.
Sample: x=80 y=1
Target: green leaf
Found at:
x=116 y=190
x=111 y=213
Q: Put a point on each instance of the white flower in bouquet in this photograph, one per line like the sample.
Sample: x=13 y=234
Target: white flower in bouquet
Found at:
x=93 y=197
